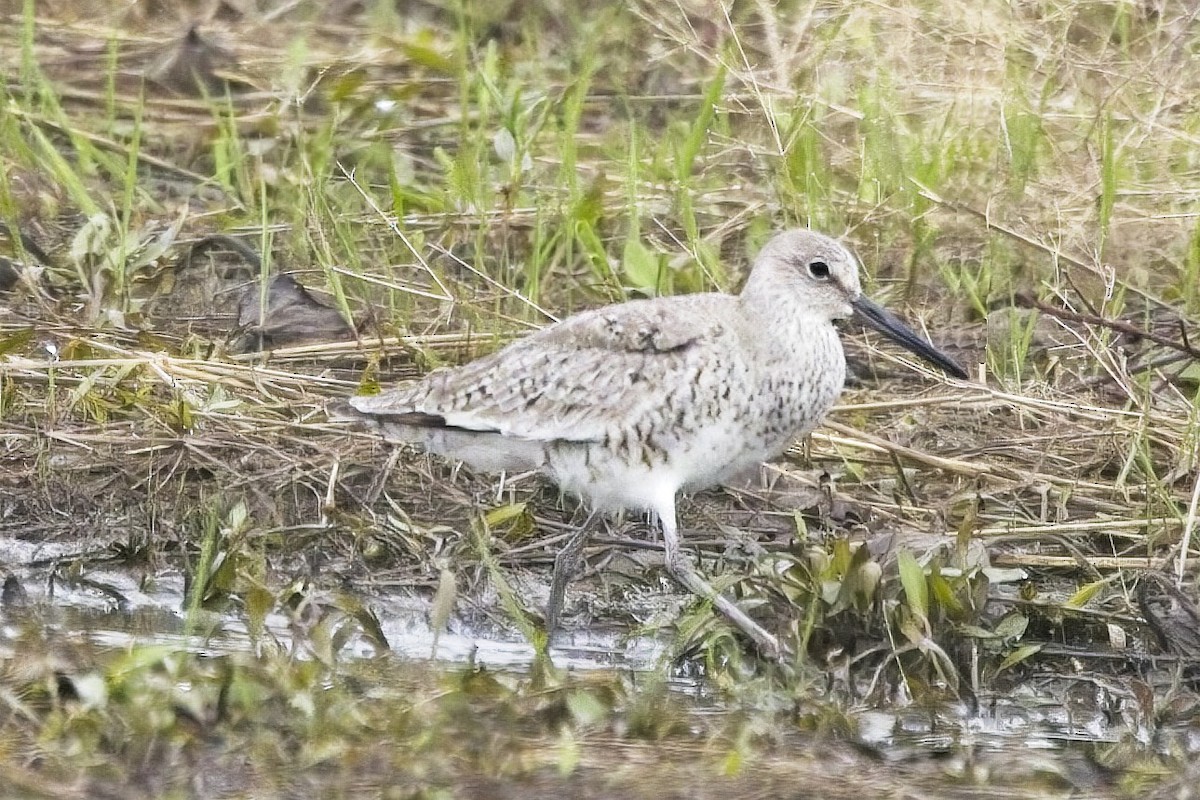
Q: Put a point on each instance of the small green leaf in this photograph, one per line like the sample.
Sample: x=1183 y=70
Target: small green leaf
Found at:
x=642 y=267
x=501 y=514
x=801 y=526
x=842 y=556
x=1012 y=626
x=347 y=85
x=257 y=601
x=593 y=247
x=1017 y=656
x=429 y=58
x=1085 y=593
x=1190 y=373
x=976 y=632
x=916 y=590
x=590 y=206
x=943 y=593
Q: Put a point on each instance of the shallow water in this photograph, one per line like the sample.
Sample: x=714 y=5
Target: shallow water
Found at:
x=1027 y=739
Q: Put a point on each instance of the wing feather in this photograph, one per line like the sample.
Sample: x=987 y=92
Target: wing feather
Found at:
x=571 y=380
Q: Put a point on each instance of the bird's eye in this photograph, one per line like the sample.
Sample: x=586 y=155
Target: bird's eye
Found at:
x=818 y=269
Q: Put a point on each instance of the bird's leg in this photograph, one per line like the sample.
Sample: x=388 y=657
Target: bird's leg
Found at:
x=681 y=568
x=566 y=563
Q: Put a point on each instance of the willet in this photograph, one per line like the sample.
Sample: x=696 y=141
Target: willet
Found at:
x=627 y=405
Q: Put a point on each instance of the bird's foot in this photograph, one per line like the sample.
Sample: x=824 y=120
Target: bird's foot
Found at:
x=683 y=571
x=566 y=564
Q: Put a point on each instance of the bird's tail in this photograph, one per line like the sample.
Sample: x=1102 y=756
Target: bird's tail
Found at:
x=486 y=451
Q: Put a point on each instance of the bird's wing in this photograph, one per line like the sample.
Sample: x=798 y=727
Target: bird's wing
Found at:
x=571 y=380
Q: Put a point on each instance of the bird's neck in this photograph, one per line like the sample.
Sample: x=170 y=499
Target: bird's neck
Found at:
x=779 y=327
x=760 y=291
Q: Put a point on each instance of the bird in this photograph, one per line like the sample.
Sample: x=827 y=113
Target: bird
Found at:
x=629 y=405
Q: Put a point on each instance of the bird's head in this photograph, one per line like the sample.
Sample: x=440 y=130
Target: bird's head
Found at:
x=818 y=276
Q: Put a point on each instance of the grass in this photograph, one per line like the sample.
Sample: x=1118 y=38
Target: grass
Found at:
x=456 y=175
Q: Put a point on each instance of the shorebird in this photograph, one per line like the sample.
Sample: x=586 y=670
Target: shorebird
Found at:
x=628 y=405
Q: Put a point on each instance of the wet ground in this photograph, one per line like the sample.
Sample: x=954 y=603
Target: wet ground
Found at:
x=699 y=740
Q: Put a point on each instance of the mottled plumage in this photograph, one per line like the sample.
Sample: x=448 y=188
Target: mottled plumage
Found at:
x=627 y=405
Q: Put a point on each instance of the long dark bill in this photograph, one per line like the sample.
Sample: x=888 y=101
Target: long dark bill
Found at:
x=890 y=326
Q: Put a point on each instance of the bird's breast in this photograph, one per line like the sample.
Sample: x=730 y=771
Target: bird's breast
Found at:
x=721 y=418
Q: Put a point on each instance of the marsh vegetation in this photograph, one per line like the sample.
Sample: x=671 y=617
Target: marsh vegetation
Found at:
x=217 y=216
